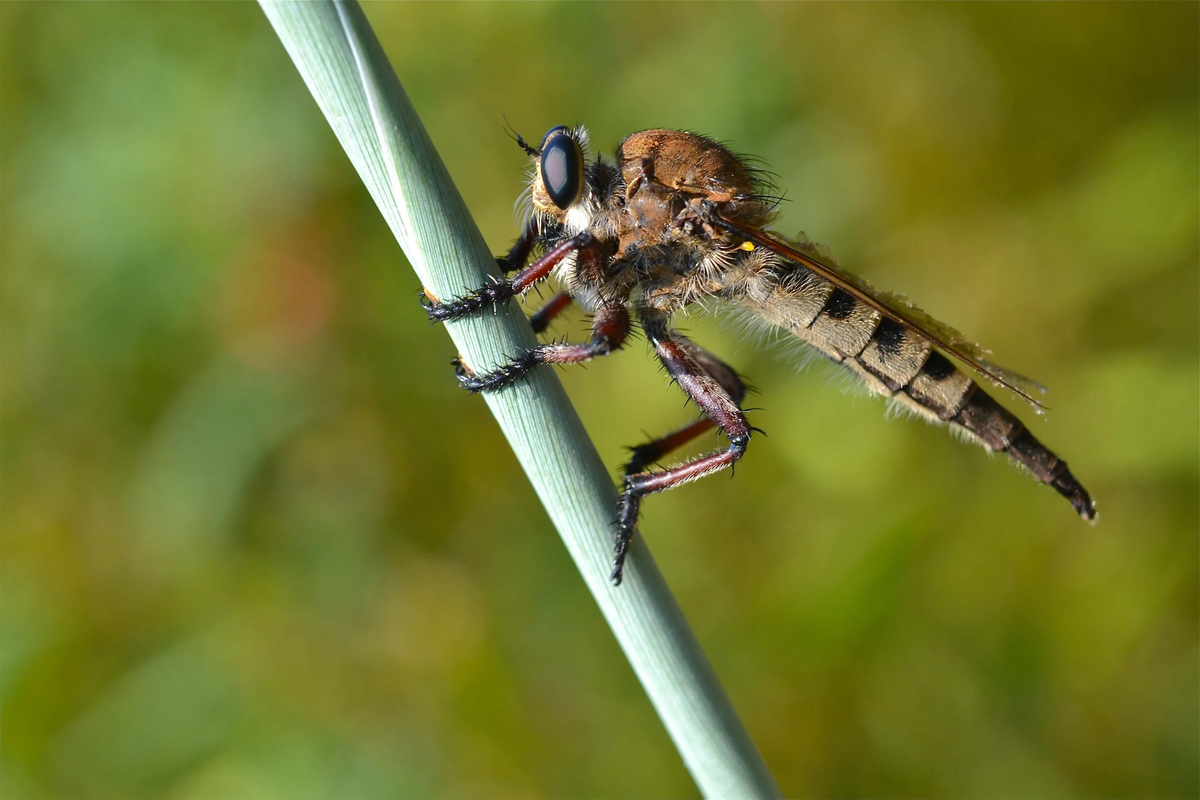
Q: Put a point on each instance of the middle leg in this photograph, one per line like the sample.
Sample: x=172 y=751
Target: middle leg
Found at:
x=542 y=318
x=610 y=328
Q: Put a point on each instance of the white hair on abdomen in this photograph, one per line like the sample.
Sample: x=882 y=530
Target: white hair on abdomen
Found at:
x=801 y=356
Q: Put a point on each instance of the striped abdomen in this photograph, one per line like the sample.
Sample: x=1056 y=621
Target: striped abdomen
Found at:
x=895 y=361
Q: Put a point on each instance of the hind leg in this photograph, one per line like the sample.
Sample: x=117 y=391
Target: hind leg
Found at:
x=718 y=391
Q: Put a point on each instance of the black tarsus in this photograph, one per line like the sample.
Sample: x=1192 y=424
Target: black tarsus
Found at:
x=502 y=288
x=609 y=331
x=468 y=304
x=497 y=379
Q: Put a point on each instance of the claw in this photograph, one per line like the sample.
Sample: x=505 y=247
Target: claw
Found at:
x=615 y=575
x=429 y=304
x=465 y=377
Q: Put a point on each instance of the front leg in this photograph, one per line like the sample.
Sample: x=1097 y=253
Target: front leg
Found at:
x=610 y=328
x=501 y=289
x=717 y=403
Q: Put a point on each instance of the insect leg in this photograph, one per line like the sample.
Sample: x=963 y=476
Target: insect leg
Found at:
x=515 y=260
x=677 y=355
x=650 y=452
x=518 y=254
x=546 y=314
x=500 y=290
x=609 y=331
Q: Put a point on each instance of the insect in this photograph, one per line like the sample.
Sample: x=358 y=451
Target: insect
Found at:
x=676 y=218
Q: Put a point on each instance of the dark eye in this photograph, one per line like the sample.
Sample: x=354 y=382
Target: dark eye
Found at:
x=557 y=129
x=562 y=167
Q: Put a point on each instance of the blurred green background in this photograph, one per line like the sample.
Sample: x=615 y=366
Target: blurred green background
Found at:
x=257 y=544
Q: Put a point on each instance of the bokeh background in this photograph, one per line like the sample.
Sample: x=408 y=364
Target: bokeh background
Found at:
x=256 y=543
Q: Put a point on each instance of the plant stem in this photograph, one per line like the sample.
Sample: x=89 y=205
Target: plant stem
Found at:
x=347 y=72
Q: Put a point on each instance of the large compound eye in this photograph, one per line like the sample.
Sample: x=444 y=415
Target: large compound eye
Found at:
x=561 y=167
x=557 y=129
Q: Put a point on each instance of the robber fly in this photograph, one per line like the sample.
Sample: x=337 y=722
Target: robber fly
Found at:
x=676 y=218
